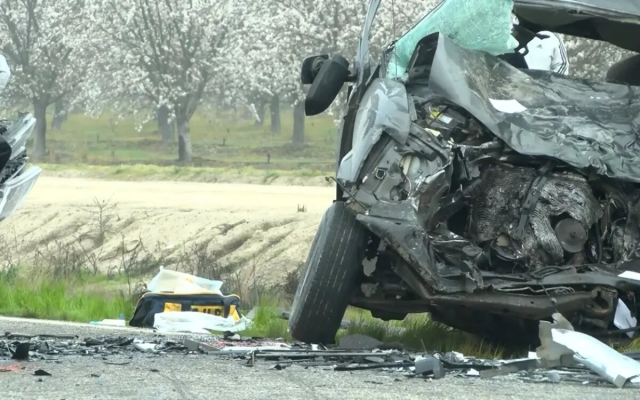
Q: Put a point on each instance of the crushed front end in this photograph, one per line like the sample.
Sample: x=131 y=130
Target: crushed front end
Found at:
x=473 y=219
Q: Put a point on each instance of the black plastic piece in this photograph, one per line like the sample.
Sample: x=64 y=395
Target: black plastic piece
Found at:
x=311 y=67
x=326 y=85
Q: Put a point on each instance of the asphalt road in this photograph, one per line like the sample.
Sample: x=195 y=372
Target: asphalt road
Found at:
x=182 y=376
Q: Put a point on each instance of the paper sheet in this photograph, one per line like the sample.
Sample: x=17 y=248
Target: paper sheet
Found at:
x=508 y=106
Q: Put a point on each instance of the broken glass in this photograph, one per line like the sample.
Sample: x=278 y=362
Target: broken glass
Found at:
x=483 y=25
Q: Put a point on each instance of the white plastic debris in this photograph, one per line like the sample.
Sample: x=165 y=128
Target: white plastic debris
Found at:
x=110 y=322
x=249 y=349
x=195 y=322
x=510 y=106
x=145 y=347
x=473 y=372
x=623 y=318
x=630 y=275
x=559 y=340
x=179 y=282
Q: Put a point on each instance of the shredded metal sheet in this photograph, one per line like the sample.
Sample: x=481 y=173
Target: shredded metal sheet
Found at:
x=537 y=113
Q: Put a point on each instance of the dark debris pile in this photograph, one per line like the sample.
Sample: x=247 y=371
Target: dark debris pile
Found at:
x=353 y=353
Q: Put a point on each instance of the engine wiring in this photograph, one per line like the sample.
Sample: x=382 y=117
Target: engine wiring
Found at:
x=555 y=290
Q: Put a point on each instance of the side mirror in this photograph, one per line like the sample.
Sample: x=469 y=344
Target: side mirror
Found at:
x=311 y=67
x=326 y=85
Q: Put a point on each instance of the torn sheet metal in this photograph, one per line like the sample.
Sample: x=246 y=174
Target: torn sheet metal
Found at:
x=559 y=340
x=585 y=124
x=483 y=25
x=384 y=108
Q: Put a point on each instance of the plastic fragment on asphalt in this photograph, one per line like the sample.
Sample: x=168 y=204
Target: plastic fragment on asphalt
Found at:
x=559 y=340
x=554 y=377
x=145 y=347
x=21 y=352
x=110 y=322
x=429 y=365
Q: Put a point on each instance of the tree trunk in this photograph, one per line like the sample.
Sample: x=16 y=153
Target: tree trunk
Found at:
x=166 y=127
x=247 y=115
x=185 y=153
x=260 y=109
x=40 y=140
x=59 y=115
x=275 y=115
x=298 y=124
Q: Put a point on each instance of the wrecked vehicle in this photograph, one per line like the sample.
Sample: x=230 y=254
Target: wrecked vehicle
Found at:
x=16 y=178
x=487 y=195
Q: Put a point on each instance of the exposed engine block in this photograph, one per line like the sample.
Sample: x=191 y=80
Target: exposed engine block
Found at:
x=562 y=217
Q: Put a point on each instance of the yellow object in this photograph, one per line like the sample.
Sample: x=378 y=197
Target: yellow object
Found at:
x=213 y=310
x=172 y=307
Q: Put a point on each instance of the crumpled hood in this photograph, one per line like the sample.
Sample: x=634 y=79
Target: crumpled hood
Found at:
x=538 y=113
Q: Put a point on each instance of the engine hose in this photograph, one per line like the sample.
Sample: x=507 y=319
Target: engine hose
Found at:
x=599 y=239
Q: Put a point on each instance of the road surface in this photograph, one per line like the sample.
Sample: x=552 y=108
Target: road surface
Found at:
x=51 y=191
x=182 y=376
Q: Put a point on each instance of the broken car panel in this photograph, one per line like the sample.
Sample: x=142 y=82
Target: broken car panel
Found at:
x=494 y=196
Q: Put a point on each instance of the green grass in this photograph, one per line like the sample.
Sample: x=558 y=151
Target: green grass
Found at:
x=59 y=300
x=109 y=141
x=78 y=299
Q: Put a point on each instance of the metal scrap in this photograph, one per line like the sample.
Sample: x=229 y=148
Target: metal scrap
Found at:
x=559 y=341
x=578 y=359
x=21 y=351
x=429 y=365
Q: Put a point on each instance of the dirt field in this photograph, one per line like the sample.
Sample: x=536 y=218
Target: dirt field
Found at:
x=257 y=227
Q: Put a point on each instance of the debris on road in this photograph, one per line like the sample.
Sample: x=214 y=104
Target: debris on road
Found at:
x=41 y=372
x=110 y=322
x=562 y=345
x=562 y=348
x=21 y=351
x=564 y=356
x=429 y=365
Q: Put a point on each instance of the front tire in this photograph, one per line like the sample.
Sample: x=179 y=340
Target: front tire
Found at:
x=329 y=277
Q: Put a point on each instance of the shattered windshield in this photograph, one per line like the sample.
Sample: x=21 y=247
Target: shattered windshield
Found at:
x=473 y=24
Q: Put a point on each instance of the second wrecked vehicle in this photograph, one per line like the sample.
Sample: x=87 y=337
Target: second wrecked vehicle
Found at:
x=487 y=195
x=16 y=177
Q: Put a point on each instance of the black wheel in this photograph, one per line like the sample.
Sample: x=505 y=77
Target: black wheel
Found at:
x=329 y=278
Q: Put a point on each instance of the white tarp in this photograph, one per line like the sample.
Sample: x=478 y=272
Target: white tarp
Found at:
x=179 y=282
x=196 y=322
